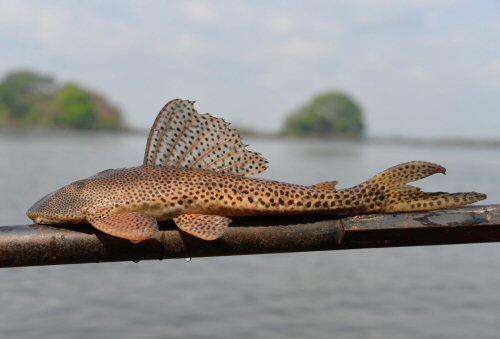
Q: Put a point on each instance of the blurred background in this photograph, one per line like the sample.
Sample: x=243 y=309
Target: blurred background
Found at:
x=325 y=90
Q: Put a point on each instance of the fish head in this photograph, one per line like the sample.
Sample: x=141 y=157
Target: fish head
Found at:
x=66 y=205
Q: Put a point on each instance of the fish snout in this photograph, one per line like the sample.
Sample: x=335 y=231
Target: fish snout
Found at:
x=57 y=208
x=35 y=211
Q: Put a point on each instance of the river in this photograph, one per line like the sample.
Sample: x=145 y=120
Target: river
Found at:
x=419 y=292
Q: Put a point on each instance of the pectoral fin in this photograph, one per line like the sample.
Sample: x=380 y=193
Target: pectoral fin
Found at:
x=206 y=227
x=133 y=226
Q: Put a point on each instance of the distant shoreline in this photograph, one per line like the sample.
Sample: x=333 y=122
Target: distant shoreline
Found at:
x=459 y=142
x=392 y=140
x=40 y=130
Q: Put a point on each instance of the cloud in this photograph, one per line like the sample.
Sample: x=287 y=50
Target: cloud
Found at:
x=52 y=26
x=306 y=48
x=282 y=23
x=13 y=10
x=421 y=74
x=493 y=70
x=182 y=46
x=200 y=12
x=449 y=39
x=263 y=56
x=384 y=12
x=66 y=29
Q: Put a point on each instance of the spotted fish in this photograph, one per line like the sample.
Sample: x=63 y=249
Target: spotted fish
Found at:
x=196 y=171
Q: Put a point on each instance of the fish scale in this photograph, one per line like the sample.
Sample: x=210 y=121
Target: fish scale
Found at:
x=196 y=171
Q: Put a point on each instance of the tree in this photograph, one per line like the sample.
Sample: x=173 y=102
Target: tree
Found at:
x=330 y=114
x=82 y=109
x=20 y=91
x=75 y=108
x=31 y=99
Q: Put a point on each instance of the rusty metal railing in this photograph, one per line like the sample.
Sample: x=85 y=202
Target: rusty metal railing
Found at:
x=33 y=245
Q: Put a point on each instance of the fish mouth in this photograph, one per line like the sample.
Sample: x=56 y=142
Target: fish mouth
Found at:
x=44 y=220
x=47 y=221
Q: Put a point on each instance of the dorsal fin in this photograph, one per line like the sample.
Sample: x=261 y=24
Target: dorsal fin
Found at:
x=181 y=137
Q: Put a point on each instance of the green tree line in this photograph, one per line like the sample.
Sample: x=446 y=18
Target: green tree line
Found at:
x=28 y=98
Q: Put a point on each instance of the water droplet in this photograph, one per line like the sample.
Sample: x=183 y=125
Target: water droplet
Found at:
x=188 y=259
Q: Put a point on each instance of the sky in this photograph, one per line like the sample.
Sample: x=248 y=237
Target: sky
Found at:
x=426 y=69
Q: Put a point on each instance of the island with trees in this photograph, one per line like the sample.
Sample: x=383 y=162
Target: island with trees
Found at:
x=31 y=99
x=328 y=115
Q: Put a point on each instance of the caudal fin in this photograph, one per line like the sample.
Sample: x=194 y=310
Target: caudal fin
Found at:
x=396 y=196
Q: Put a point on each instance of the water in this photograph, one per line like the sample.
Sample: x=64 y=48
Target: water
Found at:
x=421 y=292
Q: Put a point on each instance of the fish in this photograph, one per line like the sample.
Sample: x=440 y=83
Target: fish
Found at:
x=198 y=172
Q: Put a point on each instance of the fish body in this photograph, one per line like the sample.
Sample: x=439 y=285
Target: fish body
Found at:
x=196 y=172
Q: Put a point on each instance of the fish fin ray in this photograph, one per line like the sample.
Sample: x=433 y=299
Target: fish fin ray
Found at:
x=181 y=137
x=407 y=172
x=391 y=184
x=134 y=226
x=206 y=227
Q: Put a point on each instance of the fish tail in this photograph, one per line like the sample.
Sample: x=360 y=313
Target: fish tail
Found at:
x=388 y=191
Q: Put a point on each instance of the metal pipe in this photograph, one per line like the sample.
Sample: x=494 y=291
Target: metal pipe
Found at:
x=34 y=245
